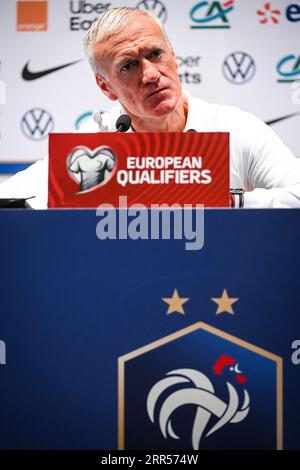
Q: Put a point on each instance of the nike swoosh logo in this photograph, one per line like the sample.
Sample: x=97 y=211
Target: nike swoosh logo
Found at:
x=28 y=75
x=282 y=118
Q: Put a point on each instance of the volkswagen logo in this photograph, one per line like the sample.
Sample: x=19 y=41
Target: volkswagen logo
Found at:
x=156 y=6
x=239 y=68
x=37 y=123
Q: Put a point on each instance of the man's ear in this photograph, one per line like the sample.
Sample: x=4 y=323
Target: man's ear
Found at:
x=105 y=87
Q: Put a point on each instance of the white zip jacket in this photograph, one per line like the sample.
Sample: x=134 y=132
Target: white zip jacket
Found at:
x=259 y=161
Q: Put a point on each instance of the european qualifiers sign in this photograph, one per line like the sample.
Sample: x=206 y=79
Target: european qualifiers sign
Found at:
x=86 y=170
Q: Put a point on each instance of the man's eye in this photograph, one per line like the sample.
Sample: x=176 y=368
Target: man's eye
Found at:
x=155 y=54
x=129 y=66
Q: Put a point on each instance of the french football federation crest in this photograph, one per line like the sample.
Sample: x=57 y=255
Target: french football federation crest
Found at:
x=200 y=388
x=200 y=393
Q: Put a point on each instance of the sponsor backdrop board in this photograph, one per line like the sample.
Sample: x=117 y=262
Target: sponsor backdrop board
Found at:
x=243 y=53
x=160 y=347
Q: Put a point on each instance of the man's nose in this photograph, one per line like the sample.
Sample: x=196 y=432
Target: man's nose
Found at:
x=150 y=73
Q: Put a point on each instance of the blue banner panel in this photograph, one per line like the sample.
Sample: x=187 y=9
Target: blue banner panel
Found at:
x=142 y=344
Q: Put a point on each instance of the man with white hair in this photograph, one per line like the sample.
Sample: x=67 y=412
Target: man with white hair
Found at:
x=134 y=64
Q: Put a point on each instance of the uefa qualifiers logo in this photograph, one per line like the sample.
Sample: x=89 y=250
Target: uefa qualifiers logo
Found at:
x=211 y=15
x=91 y=168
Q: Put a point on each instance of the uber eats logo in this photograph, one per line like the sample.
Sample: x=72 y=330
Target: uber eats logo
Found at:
x=188 y=70
x=85 y=13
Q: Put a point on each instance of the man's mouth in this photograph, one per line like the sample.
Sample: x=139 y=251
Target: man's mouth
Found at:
x=155 y=92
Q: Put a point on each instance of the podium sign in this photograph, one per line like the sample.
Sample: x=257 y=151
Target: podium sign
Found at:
x=86 y=170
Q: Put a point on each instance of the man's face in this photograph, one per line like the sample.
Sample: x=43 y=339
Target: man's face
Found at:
x=139 y=69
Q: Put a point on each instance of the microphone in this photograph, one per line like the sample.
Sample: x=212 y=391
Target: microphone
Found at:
x=123 y=123
x=191 y=130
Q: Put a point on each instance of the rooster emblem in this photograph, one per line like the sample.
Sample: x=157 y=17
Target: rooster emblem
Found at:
x=198 y=390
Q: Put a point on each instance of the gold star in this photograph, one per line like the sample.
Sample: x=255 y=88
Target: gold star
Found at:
x=175 y=303
x=225 y=303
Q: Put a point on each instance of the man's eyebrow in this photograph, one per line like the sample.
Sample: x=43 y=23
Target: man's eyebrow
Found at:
x=126 y=59
x=134 y=56
x=143 y=53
